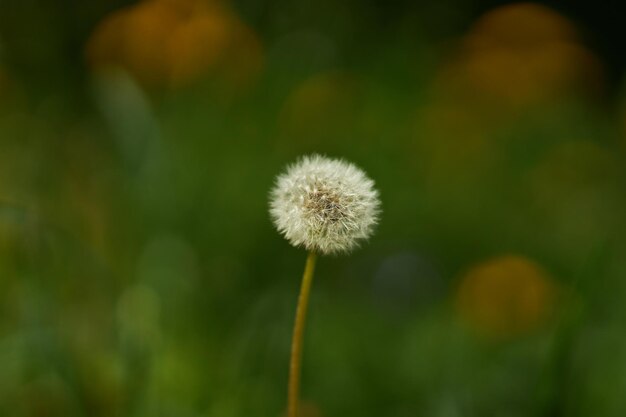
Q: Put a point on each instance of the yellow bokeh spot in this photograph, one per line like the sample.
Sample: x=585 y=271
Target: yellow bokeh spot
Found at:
x=505 y=296
x=521 y=25
x=518 y=77
x=173 y=43
x=520 y=54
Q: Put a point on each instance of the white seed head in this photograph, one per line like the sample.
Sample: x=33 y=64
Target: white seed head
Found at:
x=325 y=205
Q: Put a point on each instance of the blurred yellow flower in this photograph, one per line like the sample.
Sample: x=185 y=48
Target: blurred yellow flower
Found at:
x=173 y=43
x=522 y=25
x=505 y=296
x=519 y=54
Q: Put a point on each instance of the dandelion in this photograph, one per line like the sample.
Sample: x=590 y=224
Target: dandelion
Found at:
x=326 y=206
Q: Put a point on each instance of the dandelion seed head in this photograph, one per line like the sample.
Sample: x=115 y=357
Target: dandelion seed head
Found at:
x=324 y=205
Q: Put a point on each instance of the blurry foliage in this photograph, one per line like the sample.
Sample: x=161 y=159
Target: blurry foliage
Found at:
x=139 y=272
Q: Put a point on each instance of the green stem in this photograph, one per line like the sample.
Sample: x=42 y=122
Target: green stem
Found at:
x=296 y=341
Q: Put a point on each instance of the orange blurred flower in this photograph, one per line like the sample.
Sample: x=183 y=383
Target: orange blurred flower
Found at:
x=505 y=296
x=519 y=54
x=522 y=25
x=175 y=42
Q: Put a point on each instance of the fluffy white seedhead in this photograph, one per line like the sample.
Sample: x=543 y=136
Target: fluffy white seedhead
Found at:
x=325 y=205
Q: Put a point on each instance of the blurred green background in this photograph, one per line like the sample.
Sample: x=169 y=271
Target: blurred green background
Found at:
x=140 y=274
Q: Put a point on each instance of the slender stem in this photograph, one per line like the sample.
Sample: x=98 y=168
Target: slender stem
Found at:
x=296 y=341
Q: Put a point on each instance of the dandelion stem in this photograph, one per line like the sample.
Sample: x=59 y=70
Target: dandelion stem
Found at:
x=296 y=341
